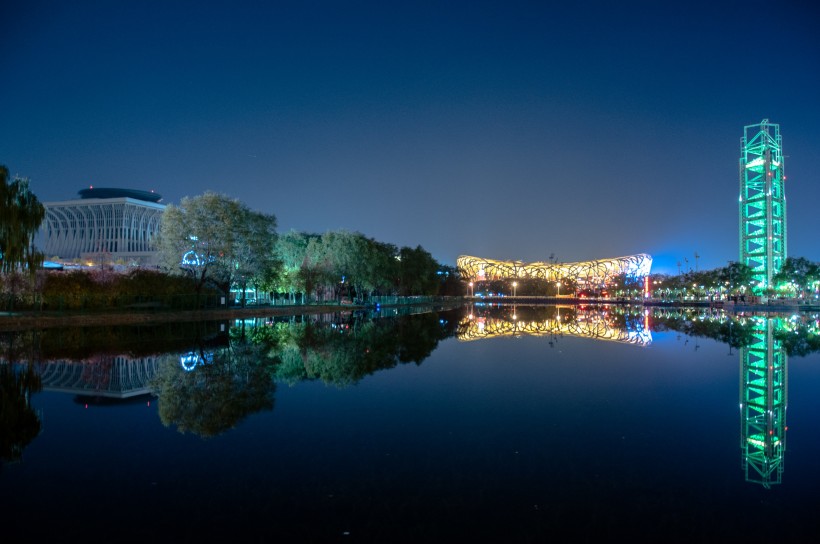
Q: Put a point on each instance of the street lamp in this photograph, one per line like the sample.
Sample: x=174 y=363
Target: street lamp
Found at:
x=515 y=284
x=471 y=289
x=558 y=285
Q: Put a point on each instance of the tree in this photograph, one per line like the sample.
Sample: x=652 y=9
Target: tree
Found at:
x=215 y=238
x=254 y=258
x=20 y=217
x=626 y=284
x=357 y=263
x=343 y=253
x=290 y=250
x=314 y=269
x=382 y=267
x=417 y=272
x=797 y=273
x=737 y=275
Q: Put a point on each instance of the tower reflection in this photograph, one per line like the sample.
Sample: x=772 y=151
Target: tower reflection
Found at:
x=763 y=403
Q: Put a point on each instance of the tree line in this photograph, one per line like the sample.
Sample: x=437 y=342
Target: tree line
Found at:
x=216 y=239
x=797 y=277
x=219 y=243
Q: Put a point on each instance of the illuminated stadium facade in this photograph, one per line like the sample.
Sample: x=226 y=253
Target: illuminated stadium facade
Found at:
x=104 y=224
x=593 y=274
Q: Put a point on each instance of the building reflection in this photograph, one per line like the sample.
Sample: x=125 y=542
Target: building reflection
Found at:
x=107 y=376
x=240 y=370
x=763 y=343
x=763 y=403
x=598 y=322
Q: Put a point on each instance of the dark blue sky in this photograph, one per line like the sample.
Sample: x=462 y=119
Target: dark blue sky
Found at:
x=508 y=130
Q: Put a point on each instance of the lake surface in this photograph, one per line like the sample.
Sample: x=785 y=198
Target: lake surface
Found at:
x=503 y=424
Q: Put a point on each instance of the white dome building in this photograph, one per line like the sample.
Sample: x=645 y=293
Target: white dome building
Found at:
x=104 y=225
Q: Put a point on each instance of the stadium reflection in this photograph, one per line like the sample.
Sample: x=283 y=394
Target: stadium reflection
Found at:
x=626 y=324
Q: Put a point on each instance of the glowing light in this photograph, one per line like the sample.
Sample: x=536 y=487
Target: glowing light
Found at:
x=763 y=213
x=599 y=272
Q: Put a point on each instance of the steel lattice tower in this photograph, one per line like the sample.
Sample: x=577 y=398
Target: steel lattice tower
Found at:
x=763 y=394
x=762 y=202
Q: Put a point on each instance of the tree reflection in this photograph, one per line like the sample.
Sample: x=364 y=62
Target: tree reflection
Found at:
x=343 y=351
x=212 y=397
x=19 y=423
x=209 y=391
x=736 y=331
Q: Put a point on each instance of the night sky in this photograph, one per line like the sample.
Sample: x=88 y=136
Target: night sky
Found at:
x=509 y=130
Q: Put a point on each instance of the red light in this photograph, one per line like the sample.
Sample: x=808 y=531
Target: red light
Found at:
x=86 y=406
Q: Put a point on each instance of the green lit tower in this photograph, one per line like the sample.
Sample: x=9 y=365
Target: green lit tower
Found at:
x=762 y=202
x=763 y=394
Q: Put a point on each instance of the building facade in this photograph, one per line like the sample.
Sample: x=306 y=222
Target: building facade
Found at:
x=762 y=202
x=597 y=273
x=104 y=225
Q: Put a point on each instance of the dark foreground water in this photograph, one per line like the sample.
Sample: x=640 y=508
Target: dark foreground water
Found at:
x=485 y=424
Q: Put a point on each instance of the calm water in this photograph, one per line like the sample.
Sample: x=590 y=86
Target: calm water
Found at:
x=506 y=424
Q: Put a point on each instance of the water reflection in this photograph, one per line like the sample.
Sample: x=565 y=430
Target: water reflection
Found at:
x=763 y=401
x=626 y=325
x=100 y=376
x=19 y=423
x=224 y=386
x=207 y=377
x=209 y=391
x=763 y=343
x=210 y=377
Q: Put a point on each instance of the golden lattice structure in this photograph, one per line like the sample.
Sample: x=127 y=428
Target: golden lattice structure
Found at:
x=583 y=324
x=593 y=273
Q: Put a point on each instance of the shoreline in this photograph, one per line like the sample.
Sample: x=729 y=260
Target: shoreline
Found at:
x=16 y=321
x=25 y=320
x=10 y=322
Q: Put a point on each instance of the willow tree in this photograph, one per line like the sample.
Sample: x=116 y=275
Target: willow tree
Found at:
x=20 y=217
x=217 y=239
